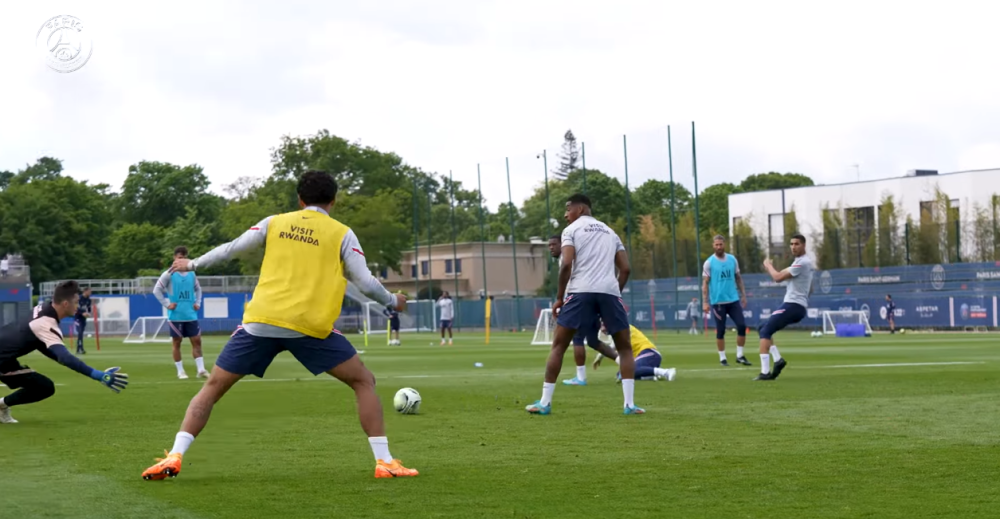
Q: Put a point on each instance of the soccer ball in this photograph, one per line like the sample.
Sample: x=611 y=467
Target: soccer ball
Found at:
x=817 y=334
x=902 y=330
x=407 y=401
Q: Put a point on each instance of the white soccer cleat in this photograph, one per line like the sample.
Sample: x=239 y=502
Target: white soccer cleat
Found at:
x=449 y=342
x=182 y=375
x=5 y=416
x=442 y=342
x=202 y=374
x=671 y=374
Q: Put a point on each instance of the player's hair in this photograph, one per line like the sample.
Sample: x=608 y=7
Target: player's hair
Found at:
x=719 y=237
x=65 y=291
x=317 y=188
x=579 y=198
x=182 y=250
x=797 y=236
x=555 y=237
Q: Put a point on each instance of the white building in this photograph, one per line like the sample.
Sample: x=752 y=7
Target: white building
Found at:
x=913 y=193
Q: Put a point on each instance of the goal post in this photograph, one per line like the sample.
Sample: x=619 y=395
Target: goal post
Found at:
x=846 y=323
x=148 y=329
x=420 y=316
x=544 y=328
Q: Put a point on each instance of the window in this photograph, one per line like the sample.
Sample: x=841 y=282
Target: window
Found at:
x=423 y=268
x=737 y=220
x=413 y=270
x=458 y=266
x=447 y=266
x=384 y=272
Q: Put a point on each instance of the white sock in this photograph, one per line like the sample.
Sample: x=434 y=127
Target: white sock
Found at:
x=765 y=363
x=380 y=448
x=200 y=362
x=660 y=372
x=739 y=352
x=547 y=390
x=182 y=442
x=628 y=388
x=774 y=353
x=581 y=372
x=722 y=355
x=180 y=366
x=2 y=403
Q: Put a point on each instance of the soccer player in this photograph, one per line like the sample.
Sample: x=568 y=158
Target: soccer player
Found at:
x=694 y=315
x=182 y=312
x=647 y=359
x=722 y=289
x=83 y=311
x=308 y=257
x=588 y=334
x=799 y=277
x=447 y=308
x=393 y=316
x=890 y=313
x=588 y=291
x=42 y=334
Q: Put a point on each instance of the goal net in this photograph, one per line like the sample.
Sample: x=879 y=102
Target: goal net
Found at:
x=546 y=327
x=420 y=316
x=846 y=323
x=149 y=329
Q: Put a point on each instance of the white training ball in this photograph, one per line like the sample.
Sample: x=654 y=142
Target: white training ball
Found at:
x=89 y=335
x=902 y=330
x=479 y=364
x=407 y=401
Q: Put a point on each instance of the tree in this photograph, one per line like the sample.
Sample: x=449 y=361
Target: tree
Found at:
x=159 y=193
x=242 y=188
x=568 y=157
x=773 y=180
x=890 y=246
x=134 y=247
x=5 y=178
x=653 y=197
x=383 y=237
x=830 y=240
x=747 y=247
x=713 y=203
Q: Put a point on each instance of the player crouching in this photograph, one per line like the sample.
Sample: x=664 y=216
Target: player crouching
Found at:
x=647 y=359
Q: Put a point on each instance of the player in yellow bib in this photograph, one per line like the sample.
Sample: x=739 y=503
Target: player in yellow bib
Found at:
x=647 y=359
x=308 y=257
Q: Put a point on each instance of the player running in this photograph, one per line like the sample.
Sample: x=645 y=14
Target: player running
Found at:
x=393 y=316
x=890 y=313
x=589 y=291
x=647 y=359
x=722 y=288
x=447 y=308
x=694 y=314
x=84 y=308
x=42 y=334
x=182 y=312
x=588 y=334
x=799 y=276
x=298 y=298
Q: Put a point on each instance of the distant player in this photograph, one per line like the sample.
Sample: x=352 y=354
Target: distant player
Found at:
x=890 y=313
x=722 y=290
x=588 y=334
x=447 y=308
x=308 y=257
x=694 y=315
x=393 y=316
x=182 y=306
x=42 y=334
x=647 y=359
x=84 y=310
x=799 y=277
x=589 y=291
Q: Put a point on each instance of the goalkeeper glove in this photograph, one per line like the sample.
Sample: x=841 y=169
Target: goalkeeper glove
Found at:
x=112 y=378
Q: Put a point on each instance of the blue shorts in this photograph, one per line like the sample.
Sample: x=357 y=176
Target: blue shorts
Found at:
x=584 y=309
x=184 y=329
x=394 y=324
x=247 y=354
x=734 y=311
x=649 y=359
x=587 y=336
x=445 y=323
x=81 y=324
x=787 y=315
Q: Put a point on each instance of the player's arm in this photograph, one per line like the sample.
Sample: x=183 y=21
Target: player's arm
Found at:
x=161 y=288
x=783 y=275
x=739 y=283
x=250 y=240
x=47 y=331
x=706 y=276
x=356 y=270
x=197 y=294
x=565 y=269
x=621 y=263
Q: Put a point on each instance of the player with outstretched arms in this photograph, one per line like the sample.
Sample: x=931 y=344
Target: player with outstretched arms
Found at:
x=182 y=306
x=723 y=294
x=589 y=291
x=799 y=277
x=84 y=309
x=447 y=308
x=587 y=334
x=308 y=258
x=42 y=334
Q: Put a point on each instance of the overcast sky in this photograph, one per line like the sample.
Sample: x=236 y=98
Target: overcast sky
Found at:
x=447 y=84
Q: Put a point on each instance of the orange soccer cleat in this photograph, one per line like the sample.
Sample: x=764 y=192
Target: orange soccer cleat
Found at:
x=165 y=467
x=393 y=469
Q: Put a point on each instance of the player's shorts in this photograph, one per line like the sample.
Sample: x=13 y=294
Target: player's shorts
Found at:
x=587 y=335
x=649 y=359
x=583 y=309
x=247 y=354
x=394 y=324
x=735 y=312
x=445 y=323
x=182 y=329
x=787 y=315
x=81 y=324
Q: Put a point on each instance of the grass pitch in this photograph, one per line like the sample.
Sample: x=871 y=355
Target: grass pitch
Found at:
x=889 y=426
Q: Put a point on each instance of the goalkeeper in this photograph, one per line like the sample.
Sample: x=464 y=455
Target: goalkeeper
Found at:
x=42 y=334
x=647 y=358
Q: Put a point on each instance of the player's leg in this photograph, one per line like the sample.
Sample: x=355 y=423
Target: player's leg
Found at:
x=450 y=326
x=735 y=312
x=579 y=358
x=719 y=315
x=336 y=356
x=694 y=325
x=81 y=326
x=892 y=324
x=788 y=314
x=193 y=331
x=615 y=319
x=570 y=319
x=176 y=339
x=243 y=355
x=30 y=387
x=647 y=367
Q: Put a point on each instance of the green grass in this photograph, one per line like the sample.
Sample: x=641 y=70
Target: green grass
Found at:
x=830 y=439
